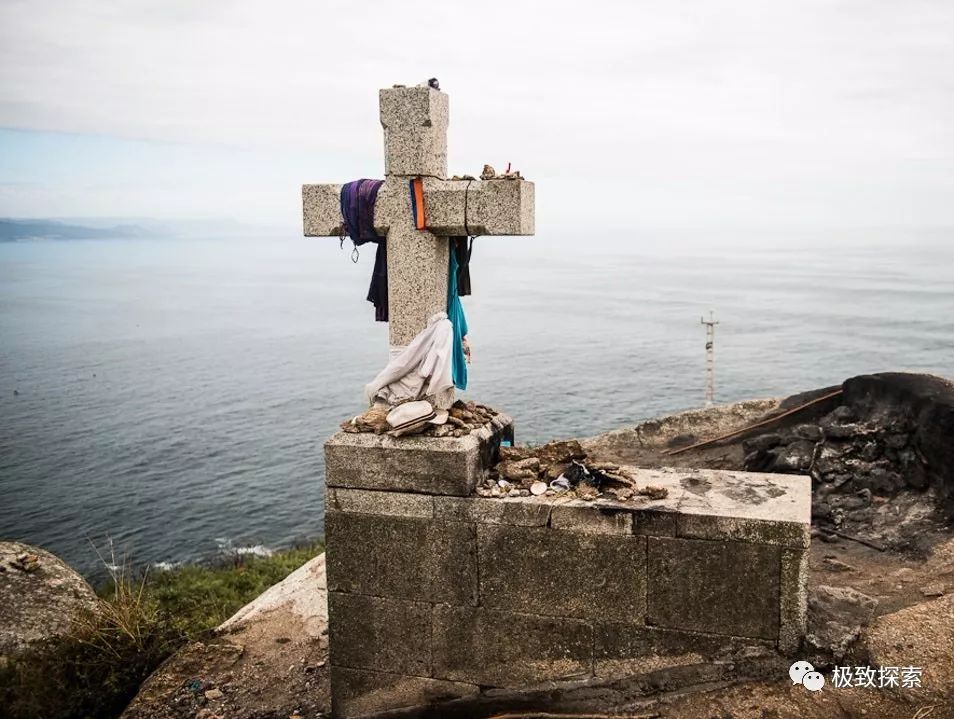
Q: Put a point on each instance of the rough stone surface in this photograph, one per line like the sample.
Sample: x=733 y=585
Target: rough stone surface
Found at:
x=361 y=693
x=391 y=504
x=322 y=210
x=921 y=635
x=793 y=599
x=657 y=524
x=565 y=574
x=427 y=465
x=717 y=587
x=517 y=511
x=504 y=649
x=493 y=207
x=836 y=618
x=417 y=272
x=403 y=558
x=380 y=634
x=587 y=519
x=760 y=531
x=302 y=594
x=40 y=603
x=622 y=649
x=415 y=123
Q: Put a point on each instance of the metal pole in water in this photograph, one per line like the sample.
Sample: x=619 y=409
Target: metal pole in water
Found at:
x=710 y=357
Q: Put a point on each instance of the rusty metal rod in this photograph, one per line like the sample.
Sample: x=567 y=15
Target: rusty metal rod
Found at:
x=674 y=452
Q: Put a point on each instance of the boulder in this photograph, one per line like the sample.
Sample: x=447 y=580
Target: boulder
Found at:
x=836 y=617
x=40 y=596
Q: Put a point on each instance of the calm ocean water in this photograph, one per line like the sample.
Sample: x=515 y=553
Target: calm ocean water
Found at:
x=173 y=396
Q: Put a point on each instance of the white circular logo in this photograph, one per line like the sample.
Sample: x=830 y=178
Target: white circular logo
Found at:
x=798 y=671
x=813 y=681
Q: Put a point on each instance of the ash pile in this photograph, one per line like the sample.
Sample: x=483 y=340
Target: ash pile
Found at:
x=881 y=461
x=563 y=469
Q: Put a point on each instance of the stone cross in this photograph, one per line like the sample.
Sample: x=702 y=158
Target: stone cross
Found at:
x=415 y=145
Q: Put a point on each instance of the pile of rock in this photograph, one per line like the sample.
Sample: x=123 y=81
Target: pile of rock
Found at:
x=853 y=462
x=561 y=468
x=462 y=419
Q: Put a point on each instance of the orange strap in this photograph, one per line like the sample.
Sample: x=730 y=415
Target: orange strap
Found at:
x=417 y=192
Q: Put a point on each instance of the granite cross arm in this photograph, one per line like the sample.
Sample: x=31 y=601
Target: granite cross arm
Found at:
x=453 y=208
x=415 y=123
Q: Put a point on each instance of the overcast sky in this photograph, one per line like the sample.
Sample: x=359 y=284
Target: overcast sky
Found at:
x=714 y=115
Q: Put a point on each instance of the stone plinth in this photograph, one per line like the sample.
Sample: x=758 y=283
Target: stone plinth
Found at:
x=425 y=465
x=434 y=596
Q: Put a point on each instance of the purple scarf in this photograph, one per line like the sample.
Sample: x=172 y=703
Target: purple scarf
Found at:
x=357 y=209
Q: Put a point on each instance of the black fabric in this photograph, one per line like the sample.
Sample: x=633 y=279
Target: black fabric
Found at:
x=378 y=291
x=462 y=248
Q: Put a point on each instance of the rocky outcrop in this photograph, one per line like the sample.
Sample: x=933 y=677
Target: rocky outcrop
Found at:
x=268 y=661
x=40 y=596
x=881 y=459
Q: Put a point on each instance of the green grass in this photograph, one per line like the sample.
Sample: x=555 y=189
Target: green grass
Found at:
x=94 y=672
x=200 y=597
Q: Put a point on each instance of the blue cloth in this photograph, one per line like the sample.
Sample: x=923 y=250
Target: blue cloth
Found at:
x=455 y=313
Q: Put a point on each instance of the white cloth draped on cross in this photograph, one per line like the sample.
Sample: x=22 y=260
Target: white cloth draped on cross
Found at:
x=421 y=370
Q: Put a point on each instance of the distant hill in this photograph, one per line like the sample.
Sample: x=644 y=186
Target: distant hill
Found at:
x=17 y=230
x=98 y=228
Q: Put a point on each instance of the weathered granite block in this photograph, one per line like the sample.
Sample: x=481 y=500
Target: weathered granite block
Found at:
x=426 y=465
x=360 y=693
x=506 y=649
x=380 y=634
x=518 y=511
x=718 y=587
x=622 y=649
x=415 y=123
x=654 y=523
x=583 y=517
x=565 y=574
x=404 y=558
x=760 y=531
x=793 y=598
x=391 y=504
x=321 y=210
x=493 y=207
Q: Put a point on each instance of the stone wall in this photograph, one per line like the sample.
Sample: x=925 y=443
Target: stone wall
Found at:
x=436 y=595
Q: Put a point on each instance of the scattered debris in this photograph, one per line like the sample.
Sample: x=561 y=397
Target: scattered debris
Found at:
x=654 y=492
x=26 y=563
x=460 y=420
x=562 y=468
x=832 y=564
x=489 y=173
x=936 y=589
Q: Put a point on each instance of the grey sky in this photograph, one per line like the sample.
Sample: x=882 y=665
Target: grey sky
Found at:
x=627 y=114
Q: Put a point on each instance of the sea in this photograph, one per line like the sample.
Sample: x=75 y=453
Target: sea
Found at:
x=165 y=400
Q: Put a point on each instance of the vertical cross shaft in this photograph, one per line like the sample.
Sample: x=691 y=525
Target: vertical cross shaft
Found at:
x=415 y=123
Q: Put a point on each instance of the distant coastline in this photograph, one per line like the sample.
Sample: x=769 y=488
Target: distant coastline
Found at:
x=26 y=230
